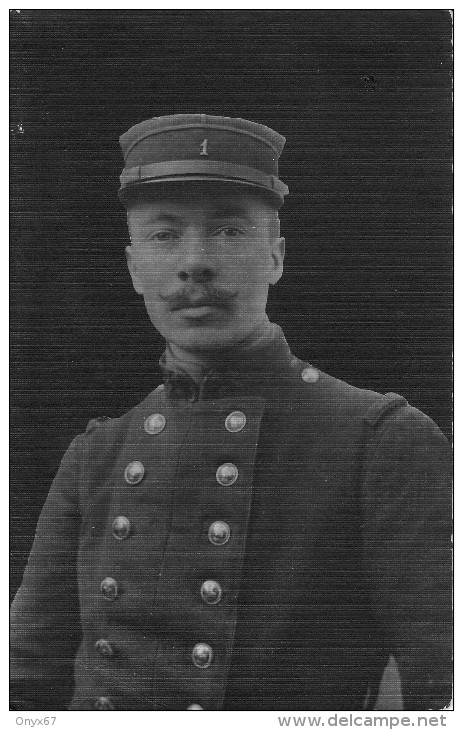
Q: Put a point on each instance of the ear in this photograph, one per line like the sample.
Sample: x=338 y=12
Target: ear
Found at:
x=132 y=266
x=278 y=255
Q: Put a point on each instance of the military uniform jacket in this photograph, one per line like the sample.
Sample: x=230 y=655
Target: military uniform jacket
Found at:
x=264 y=544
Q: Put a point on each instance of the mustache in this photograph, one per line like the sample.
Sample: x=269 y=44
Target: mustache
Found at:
x=194 y=296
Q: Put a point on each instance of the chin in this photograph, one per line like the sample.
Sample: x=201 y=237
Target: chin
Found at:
x=204 y=338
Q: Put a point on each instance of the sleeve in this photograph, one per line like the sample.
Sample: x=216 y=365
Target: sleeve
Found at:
x=407 y=507
x=45 y=618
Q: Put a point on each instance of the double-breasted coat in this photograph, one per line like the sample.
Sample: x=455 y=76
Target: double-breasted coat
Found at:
x=263 y=544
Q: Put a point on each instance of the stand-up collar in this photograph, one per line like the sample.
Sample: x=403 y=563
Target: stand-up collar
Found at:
x=245 y=369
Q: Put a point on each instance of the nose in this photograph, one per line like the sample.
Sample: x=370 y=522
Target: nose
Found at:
x=196 y=264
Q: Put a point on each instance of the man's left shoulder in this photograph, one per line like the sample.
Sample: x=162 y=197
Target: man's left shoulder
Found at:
x=335 y=404
x=329 y=396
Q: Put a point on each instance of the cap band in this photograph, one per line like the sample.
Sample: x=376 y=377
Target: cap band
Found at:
x=205 y=128
x=226 y=171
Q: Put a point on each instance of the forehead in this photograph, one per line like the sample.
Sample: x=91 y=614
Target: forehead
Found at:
x=200 y=203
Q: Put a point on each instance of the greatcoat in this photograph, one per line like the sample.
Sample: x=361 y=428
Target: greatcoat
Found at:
x=263 y=544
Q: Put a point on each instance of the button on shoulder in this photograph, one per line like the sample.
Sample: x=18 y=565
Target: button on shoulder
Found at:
x=310 y=374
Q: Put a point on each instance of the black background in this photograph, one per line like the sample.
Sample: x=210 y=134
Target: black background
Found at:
x=364 y=100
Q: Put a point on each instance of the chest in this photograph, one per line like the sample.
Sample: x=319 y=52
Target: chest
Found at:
x=281 y=485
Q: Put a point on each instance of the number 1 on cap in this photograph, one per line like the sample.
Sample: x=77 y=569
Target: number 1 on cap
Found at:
x=204 y=148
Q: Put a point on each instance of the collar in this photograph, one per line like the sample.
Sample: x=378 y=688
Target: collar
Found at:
x=248 y=370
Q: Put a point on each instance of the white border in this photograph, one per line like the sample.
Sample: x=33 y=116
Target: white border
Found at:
x=226 y=720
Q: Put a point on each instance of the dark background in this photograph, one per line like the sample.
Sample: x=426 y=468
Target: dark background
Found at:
x=364 y=100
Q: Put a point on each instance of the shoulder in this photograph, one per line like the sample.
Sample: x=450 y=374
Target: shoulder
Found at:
x=335 y=404
x=330 y=397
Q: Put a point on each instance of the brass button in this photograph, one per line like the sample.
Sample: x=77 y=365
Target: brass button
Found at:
x=154 y=424
x=211 y=592
x=194 y=706
x=104 y=647
x=219 y=533
x=310 y=375
x=235 y=421
x=121 y=527
x=226 y=474
x=202 y=655
x=134 y=472
x=103 y=703
x=109 y=589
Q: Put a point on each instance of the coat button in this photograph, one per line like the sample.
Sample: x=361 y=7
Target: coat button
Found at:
x=103 y=703
x=218 y=533
x=226 y=474
x=310 y=375
x=154 y=424
x=109 y=589
x=235 y=421
x=194 y=706
x=211 y=592
x=121 y=527
x=202 y=655
x=104 y=647
x=134 y=472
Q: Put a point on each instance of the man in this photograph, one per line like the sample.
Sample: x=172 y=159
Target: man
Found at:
x=255 y=534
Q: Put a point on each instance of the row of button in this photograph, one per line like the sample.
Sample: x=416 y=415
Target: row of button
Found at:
x=156 y=422
x=211 y=592
x=218 y=532
x=202 y=653
x=226 y=474
x=104 y=703
x=234 y=422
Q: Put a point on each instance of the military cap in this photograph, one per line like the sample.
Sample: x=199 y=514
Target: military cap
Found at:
x=189 y=147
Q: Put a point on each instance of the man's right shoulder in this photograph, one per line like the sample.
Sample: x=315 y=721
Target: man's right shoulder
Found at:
x=102 y=427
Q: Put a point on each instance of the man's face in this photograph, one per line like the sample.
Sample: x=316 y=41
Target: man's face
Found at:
x=203 y=259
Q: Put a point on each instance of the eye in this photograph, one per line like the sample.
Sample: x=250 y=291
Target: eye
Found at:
x=229 y=232
x=163 y=236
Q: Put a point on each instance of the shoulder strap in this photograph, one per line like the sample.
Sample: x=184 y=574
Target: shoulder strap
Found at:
x=388 y=403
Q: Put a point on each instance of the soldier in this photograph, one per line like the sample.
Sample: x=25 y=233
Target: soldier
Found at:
x=255 y=534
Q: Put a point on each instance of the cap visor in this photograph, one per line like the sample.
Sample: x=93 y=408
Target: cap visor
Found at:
x=147 y=188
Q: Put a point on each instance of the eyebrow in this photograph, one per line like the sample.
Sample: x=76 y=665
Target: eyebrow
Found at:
x=166 y=218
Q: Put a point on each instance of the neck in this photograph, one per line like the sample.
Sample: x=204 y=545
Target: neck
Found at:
x=197 y=363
